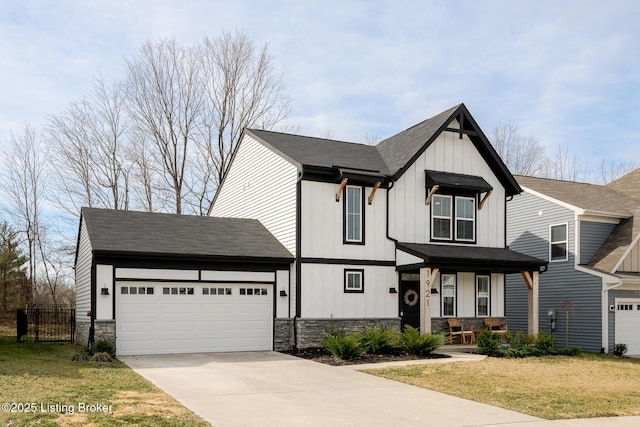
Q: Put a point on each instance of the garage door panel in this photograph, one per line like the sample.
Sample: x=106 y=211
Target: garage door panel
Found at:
x=627 y=324
x=212 y=318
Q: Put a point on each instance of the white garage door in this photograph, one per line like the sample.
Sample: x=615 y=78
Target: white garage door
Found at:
x=167 y=318
x=628 y=324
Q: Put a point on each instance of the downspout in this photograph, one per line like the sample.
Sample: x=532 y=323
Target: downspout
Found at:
x=298 y=257
x=388 y=236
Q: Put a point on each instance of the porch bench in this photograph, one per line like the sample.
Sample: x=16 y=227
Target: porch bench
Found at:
x=496 y=326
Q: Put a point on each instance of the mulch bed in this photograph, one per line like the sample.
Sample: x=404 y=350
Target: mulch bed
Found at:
x=322 y=355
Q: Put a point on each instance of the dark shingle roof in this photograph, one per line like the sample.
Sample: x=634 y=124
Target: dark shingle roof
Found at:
x=161 y=234
x=309 y=151
x=495 y=259
x=399 y=149
x=592 y=197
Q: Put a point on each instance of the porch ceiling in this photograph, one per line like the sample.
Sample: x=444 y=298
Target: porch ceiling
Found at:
x=470 y=258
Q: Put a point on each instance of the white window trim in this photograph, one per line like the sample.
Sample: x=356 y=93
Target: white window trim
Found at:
x=346 y=213
x=473 y=220
x=353 y=272
x=455 y=294
x=566 y=241
x=449 y=217
x=488 y=277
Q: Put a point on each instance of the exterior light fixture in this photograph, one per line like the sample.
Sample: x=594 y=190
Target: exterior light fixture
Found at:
x=392 y=290
x=283 y=293
x=104 y=291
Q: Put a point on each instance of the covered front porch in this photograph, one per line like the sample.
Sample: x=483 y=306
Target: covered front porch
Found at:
x=439 y=283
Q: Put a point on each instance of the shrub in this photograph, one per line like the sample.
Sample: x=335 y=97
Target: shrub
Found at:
x=101 y=357
x=102 y=346
x=620 y=349
x=418 y=344
x=575 y=351
x=379 y=339
x=79 y=357
x=489 y=343
x=545 y=342
x=345 y=346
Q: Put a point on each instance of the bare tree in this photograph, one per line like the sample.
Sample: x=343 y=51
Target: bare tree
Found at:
x=612 y=170
x=523 y=155
x=165 y=98
x=243 y=90
x=89 y=139
x=564 y=166
x=25 y=183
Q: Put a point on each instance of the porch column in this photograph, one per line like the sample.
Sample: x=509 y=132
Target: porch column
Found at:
x=426 y=275
x=532 y=281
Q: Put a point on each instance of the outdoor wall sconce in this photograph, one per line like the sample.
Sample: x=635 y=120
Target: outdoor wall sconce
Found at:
x=104 y=291
x=392 y=290
x=434 y=291
x=283 y=293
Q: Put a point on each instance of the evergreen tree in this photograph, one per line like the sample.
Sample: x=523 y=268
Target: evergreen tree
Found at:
x=12 y=266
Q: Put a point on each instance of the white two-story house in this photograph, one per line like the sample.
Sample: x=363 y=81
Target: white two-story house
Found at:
x=411 y=231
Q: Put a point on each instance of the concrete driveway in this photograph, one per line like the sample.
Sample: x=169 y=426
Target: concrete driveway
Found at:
x=273 y=389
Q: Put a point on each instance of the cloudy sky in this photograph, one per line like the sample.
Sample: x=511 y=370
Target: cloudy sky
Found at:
x=565 y=72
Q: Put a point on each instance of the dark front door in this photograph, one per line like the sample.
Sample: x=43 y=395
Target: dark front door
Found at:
x=410 y=303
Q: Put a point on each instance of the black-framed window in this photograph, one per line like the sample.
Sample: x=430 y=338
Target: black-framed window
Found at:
x=353 y=281
x=448 y=294
x=453 y=218
x=483 y=286
x=558 y=242
x=353 y=214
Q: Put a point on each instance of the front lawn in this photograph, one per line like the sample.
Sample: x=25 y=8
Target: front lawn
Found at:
x=551 y=387
x=42 y=379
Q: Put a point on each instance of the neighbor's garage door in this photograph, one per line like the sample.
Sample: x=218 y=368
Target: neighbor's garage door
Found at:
x=167 y=318
x=628 y=324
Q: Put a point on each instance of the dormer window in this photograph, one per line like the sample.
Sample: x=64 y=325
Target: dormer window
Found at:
x=453 y=199
x=453 y=218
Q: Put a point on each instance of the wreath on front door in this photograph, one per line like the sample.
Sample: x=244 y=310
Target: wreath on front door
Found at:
x=411 y=297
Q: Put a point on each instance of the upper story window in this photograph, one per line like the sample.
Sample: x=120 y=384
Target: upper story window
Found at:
x=353 y=215
x=453 y=218
x=558 y=242
x=465 y=218
x=441 y=217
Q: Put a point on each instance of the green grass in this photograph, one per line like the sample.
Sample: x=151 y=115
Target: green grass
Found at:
x=551 y=387
x=45 y=375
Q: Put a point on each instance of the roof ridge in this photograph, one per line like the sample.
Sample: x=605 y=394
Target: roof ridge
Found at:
x=311 y=137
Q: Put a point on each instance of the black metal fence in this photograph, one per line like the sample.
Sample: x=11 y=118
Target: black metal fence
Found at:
x=46 y=323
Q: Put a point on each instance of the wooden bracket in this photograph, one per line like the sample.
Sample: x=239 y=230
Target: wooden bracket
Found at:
x=528 y=279
x=342 y=184
x=484 y=199
x=373 y=192
x=431 y=193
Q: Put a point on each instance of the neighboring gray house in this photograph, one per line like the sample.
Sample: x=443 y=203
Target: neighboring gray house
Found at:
x=590 y=236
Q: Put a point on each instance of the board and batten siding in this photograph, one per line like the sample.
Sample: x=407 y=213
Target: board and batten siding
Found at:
x=466 y=295
x=322 y=224
x=83 y=275
x=528 y=232
x=592 y=236
x=631 y=263
x=324 y=296
x=409 y=216
x=261 y=185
